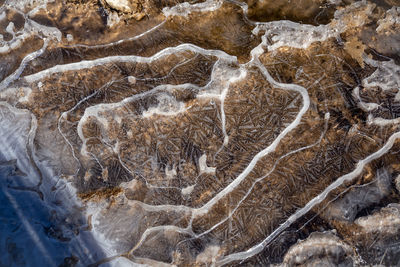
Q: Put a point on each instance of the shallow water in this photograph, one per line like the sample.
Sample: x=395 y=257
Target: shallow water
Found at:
x=199 y=133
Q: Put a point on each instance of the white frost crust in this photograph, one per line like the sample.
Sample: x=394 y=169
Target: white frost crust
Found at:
x=291 y=34
x=387 y=220
x=184 y=9
x=25 y=94
x=23 y=5
x=122 y=5
x=48 y=32
x=167 y=106
x=11 y=28
x=386 y=76
x=391 y=20
x=14 y=43
x=131 y=79
x=14 y=94
x=30 y=28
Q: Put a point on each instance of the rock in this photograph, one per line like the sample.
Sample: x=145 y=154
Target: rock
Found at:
x=120 y=5
x=125 y=6
x=131 y=9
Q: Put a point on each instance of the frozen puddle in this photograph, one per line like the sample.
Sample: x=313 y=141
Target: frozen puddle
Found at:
x=139 y=133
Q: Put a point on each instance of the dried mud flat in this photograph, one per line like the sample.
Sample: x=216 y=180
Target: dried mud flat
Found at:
x=199 y=133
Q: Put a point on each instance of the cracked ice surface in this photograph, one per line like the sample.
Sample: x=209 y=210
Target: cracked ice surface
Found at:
x=198 y=133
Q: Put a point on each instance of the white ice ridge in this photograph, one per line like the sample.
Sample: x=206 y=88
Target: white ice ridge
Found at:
x=381 y=121
x=292 y=34
x=184 y=9
x=85 y=64
x=30 y=28
x=386 y=76
x=15 y=75
x=311 y=204
x=151 y=230
x=297 y=35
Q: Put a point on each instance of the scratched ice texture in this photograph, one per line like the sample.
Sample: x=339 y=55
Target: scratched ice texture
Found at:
x=199 y=133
